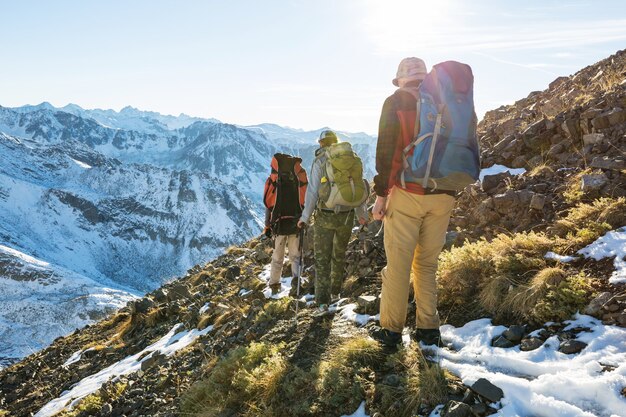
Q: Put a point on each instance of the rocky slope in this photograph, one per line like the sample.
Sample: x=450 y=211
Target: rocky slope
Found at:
x=527 y=250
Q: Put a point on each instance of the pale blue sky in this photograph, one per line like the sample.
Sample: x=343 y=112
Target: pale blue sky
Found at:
x=304 y=64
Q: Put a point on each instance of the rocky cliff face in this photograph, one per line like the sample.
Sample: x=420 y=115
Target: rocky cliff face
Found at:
x=526 y=248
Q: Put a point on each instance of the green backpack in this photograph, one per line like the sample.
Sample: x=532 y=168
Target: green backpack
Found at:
x=342 y=182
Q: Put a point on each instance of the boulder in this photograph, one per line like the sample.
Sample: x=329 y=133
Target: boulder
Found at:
x=593 y=138
x=491 y=182
x=368 y=303
x=596 y=304
x=502 y=342
x=616 y=116
x=514 y=333
x=177 y=292
x=232 y=272
x=505 y=202
x=487 y=390
x=608 y=163
x=571 y=346
x=142 y=305
x=552 y=107
x=571 y=127
x=456 y=409
x=593 y=182
x=537 y=202
x=530 y=343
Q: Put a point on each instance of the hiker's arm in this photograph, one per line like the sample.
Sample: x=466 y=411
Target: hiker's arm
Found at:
x=388 y=133
x=312 y=191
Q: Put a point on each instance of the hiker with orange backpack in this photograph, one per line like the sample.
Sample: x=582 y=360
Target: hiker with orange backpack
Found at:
x=335 y=192
x=427 y=150
x=283 y=198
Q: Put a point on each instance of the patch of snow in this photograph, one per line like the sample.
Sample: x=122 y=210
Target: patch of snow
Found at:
x=611 y=244
x=544 y=381
x=348 y=313
x=498 y=169
x=81 y=164
x=204 y=308
x=360 y=412
x=437 y=411
x=75 y=357
x=33 y=262
x=559 y=258
x=167 y=345
x=243 y=292
x=285 y=284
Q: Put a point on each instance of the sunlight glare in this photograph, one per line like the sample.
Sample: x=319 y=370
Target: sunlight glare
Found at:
x=401 y=26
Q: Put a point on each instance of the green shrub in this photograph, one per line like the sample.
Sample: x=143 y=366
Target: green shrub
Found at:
x=563 y=299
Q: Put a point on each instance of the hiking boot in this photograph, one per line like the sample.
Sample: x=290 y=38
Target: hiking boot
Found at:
x=275 y=289
x=428 y=337
x=386 y=337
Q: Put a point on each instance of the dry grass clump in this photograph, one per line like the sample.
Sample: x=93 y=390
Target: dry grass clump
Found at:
x=273 y=310
x=421 y=383
x=509 y=278
x=573 y=192
x=586 y=222
x=481 y=274
x=523 y=299
x=343 y=376
x=244 y=382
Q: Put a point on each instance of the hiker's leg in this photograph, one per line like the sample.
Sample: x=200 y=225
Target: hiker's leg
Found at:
x=431 y=240
x=278 y=258
x=323 y=243
x=402 y=228
x=293 y=248
x=340 y=244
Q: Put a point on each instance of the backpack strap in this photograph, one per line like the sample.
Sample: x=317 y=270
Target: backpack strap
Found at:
x=405 y=152
x=432 y=147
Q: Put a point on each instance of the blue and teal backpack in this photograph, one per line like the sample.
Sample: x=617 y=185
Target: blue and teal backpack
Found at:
x=445 y=153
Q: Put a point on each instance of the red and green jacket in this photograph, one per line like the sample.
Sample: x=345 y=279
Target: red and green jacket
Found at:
x=395 y=131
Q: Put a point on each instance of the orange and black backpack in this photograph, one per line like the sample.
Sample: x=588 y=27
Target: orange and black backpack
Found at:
x=284 y=193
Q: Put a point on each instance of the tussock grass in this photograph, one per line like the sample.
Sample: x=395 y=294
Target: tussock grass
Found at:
x=573 y=192
x=540 y=170
x=524 y=299
x=343 y=381
x=273 y=310
x=244 y=381
x=508 y=278
x=586 y=222
x=422 y=382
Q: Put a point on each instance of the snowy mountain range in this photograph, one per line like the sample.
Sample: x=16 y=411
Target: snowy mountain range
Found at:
x=99 y=206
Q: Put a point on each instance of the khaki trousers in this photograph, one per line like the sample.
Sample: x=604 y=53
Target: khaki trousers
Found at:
x=415 y=231
x=278 y=257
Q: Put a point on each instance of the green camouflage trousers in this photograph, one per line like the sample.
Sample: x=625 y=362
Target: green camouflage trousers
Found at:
x=332 y=233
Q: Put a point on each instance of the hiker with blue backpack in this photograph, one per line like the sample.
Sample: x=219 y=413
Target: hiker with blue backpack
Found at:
x=427 y=151
x=336 y=194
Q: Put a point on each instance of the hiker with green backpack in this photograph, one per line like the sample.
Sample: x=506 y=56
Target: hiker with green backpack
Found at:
x=427 y=151
x=336 y=191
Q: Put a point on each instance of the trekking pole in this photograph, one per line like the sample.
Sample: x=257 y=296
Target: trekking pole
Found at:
x=300 y=267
